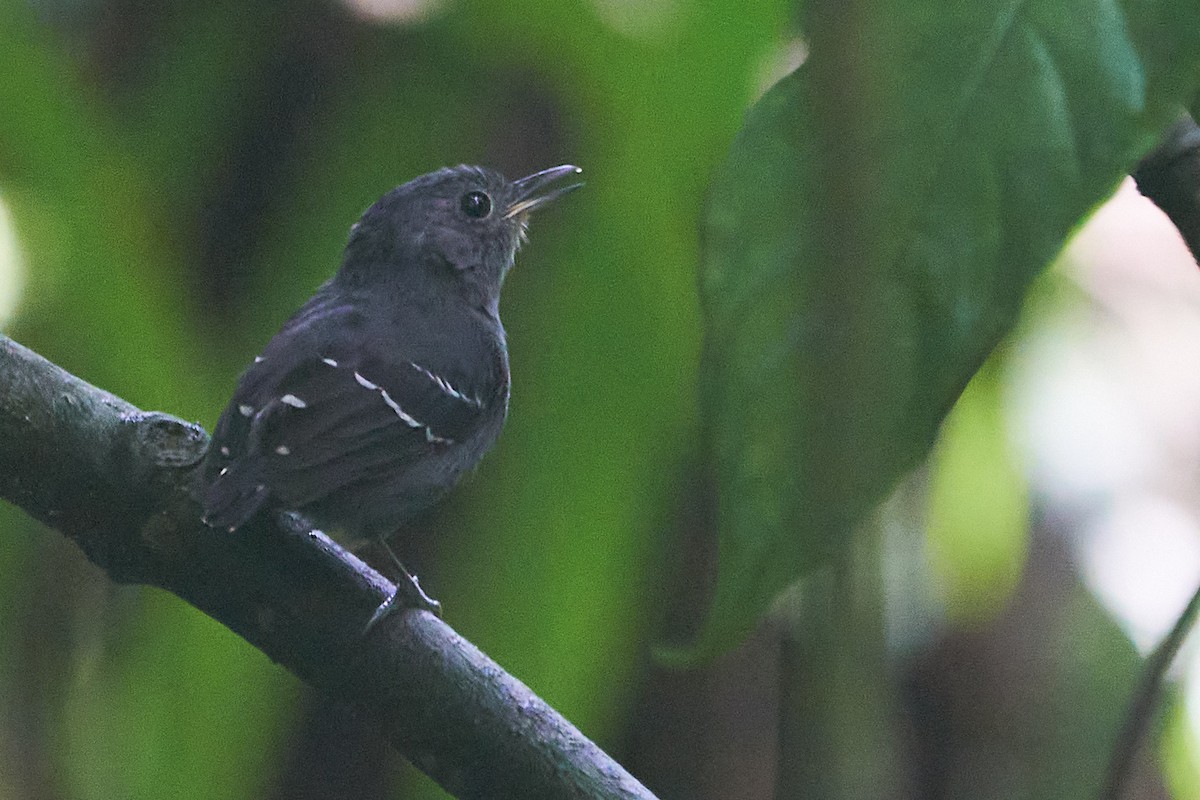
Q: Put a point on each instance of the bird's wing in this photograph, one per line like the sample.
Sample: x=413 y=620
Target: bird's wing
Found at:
x=329 y=420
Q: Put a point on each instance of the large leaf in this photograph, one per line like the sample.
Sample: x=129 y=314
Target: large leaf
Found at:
x=874 y=230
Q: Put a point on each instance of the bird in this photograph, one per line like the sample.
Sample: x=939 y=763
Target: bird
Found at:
x=392 y=380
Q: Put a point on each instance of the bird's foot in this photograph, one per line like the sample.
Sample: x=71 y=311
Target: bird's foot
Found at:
x=408 y=594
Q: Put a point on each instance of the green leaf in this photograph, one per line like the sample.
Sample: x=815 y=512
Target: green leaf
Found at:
x=874 y=231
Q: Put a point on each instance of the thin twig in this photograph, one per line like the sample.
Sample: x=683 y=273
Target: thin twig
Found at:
x=1141 y=709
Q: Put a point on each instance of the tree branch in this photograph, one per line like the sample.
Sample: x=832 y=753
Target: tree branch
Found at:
x=115 y=479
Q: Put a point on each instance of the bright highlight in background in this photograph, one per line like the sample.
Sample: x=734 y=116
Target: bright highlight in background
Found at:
x=1106 y=396
x=397 y=12
x=11 y=267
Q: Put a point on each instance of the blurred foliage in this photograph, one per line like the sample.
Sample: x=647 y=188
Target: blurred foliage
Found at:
x=1179 y=749
x=978 y=502
x=181 y=176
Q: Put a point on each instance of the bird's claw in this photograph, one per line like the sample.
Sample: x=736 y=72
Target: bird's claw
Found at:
x=408 y=594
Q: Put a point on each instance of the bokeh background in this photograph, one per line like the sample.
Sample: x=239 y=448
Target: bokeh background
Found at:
x=176 y=178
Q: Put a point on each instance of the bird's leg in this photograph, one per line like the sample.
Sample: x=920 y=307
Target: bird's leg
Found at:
x=408 y=594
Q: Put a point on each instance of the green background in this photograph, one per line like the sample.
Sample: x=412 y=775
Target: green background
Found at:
x=181 y=176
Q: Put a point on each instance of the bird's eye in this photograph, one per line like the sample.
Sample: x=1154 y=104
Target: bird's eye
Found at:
x=475 y=204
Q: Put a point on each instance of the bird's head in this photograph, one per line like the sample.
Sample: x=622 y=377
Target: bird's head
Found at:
x=457 y=228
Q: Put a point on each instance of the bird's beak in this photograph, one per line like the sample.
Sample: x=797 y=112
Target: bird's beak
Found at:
x=527 y=198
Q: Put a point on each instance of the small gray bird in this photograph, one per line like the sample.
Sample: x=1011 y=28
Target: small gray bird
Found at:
x=392 y=380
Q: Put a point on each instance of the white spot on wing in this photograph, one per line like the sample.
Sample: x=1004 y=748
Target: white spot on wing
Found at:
x=447 y=387
x=283 y=450
x=246 y=411
x=330 y=362
x=363 y=382
x=293 y=401
x=407 y=418
x=225 y=451
x=400 y=412
x=258 y=359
